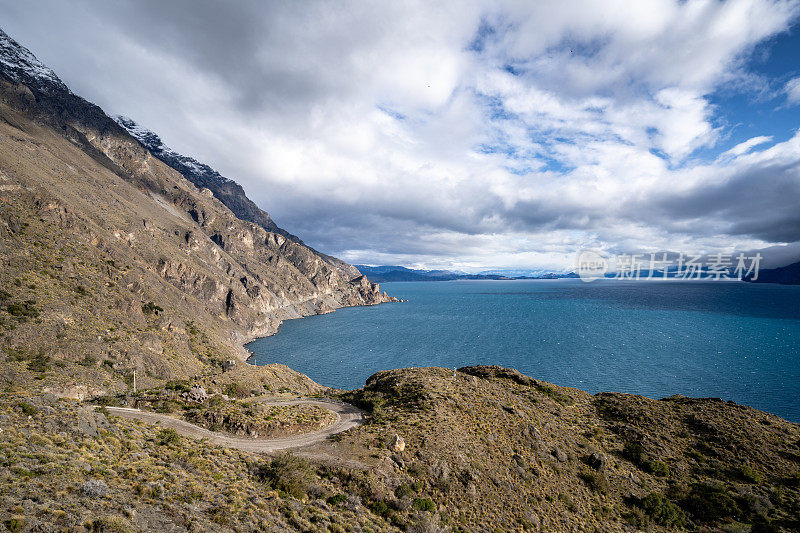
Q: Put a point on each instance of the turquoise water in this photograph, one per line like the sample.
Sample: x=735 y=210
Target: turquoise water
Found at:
x=733 y=340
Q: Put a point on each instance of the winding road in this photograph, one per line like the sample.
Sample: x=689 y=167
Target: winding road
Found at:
x=347 y=417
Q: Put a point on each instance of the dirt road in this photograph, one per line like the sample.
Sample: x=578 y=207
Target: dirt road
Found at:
x=347 y=417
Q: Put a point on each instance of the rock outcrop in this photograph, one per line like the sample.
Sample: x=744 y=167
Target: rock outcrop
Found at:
x=224 y=189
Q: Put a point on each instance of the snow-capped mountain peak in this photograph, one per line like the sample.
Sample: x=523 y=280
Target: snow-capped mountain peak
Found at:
x=188 y=166
x=148 y=138
x=19 y=64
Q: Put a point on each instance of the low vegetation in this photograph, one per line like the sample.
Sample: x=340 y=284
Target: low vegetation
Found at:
x=255 y=419
x=477 y=452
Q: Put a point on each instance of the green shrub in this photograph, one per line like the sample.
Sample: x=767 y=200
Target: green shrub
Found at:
x=165 y=406
x=379 y=508
x=336 y=499
x=423 y=504
x=594 y=480
x=177 y=386
x=403 y=491
x=289 y=474
x=111 y=524
x=17 y=354
x=15 y=524
x=696 y=455
x=634 y=452
x=88 y=361
x=235 y=390
x=151 y=309
x=709 y=503
x=167 y=436
x=27 y=409
x=39 y=363
x=23 y=310
x=637 y=518
x=746 y=473
x=416 y=470
x=560 y=397
x=219 y=514
x=657 y=468
x=662 y=511
x=568 y=502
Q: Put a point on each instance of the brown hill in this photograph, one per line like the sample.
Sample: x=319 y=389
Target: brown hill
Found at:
x=484 y=449
x=114 y=261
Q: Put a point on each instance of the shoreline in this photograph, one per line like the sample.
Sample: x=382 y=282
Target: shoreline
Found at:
x=601 y=385
x=251 y=339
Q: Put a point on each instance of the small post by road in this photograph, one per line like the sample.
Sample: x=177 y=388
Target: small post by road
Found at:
x=134 y=381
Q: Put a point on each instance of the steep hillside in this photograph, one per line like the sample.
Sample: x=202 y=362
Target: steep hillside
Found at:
x=114 y=260
x=493 y=449
x=225 y=190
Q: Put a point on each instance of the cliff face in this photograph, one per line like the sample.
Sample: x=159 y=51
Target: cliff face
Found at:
x=225 y=190
x=121 y=255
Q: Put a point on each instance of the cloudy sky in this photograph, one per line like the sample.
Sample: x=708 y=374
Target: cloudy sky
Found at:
x=466 y=135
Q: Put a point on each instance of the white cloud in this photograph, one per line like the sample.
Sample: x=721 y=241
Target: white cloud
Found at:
x=793 y=91
x=473 y=134
x=746 y=146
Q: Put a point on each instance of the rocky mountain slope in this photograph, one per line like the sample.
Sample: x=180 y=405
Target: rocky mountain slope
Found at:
x=114 y=261
x=225 y=190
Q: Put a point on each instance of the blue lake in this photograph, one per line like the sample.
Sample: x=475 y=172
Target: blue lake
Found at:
x=732 y=340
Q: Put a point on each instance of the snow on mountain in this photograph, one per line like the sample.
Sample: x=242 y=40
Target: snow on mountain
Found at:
x=226 y=190
x=191 y=168
x=20 y=65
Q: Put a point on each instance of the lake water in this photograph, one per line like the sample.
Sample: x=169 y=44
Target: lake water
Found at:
x=733 y=340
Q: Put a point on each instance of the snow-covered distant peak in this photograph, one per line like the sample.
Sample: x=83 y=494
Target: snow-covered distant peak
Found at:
x=20 y=65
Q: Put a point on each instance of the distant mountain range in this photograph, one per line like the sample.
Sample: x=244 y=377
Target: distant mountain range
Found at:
x=787 y=275
x=382 y=274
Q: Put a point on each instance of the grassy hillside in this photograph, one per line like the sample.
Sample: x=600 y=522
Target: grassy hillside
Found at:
x=485 y=450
